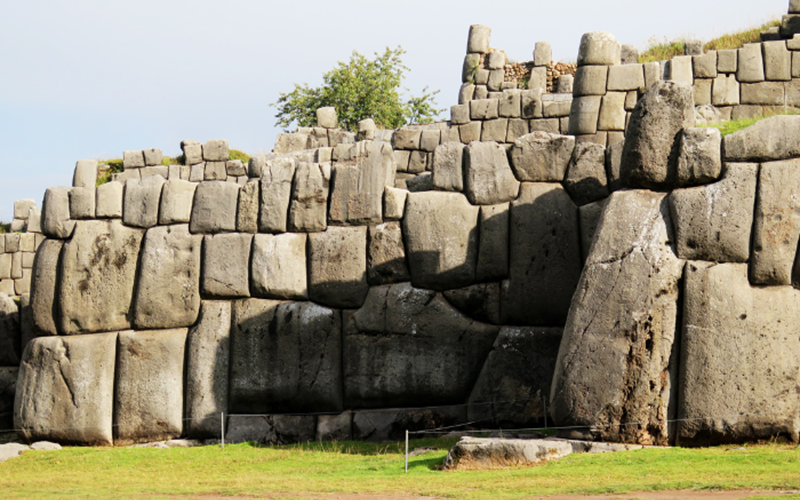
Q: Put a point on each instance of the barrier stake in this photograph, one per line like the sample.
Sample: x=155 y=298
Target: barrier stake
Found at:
x=406 y=451
x=222 y=428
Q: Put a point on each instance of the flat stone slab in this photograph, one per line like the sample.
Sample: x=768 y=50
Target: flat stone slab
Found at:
x=480 y=453
x=11 y=450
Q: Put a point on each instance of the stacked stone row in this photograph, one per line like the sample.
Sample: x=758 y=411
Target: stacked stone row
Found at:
x=18 y=247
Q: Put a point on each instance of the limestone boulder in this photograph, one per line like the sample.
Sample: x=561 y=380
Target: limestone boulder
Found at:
x=214 y=208
x=279 y=266
x=600 y=48
x=55 y=213
x=493 y=243
x=207 y=366
x=488 y=179
x=386 y=258
x=652 y=141
x=739 y=359
x=481 y=453
x=65 y=390
x=700 y=159
x=544 y=256
x=176 y=202
x=714 y=222
x=44 y=287
x=586 y=179
x=410 y=347
x=148 y=395
x=589 y=219
x=142 y=201
x=337 y=266
x=542 y=156
x=8 y=391
x=109 y=200
x=308 y=209
x=276 y=191
x=247 y=211
x=448 y=166
x=441 y=231
x=168 y=291
x=98 y=272
x=10 y=349
x=226 y=265
x=767 y=140
x=358 y=184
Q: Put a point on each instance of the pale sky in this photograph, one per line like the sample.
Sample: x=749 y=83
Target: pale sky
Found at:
x=92 y=78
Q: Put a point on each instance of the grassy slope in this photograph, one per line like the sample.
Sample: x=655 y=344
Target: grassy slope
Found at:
x=369 y=468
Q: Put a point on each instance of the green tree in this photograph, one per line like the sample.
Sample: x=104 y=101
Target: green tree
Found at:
x=359 y=89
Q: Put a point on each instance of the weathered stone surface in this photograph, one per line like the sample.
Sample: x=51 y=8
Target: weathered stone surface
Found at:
x=680 y=70
x=132 y=159
x=386 y=260
x=542 y=156
x=494 y=130
x=612 y=111
x=705 y=65
x=337 y=266
x=590 y=80
x=739 y=358
x=777 y=61
x=510 y=104
x=335 y=427
x=390 y=424
x=751 y=63
x=584 y=115
x=308 y=209
x=148 y=394
x=725 y=91
x=279 y=266
x=65 y=390
x=168 y=289
x=216 y=150
x=599 y=48
x=247 y=428
x=409 y=347
x=714 y=222
x=142 y=200
x=10 y=348
x=8 y=390
x=214 y=208
x=482 y=453
x=85 y=174
x=109 y=200
x=589 y=219
x=493 y=243
x=276 y=190
x=776 y=227
x=247 y=210
x=650 y=155
x=727 y=61
x=98 y=270
x=448 y=167
x=176 y=202
x=226 y=265
x=44 y=286
x=613 y=165
x=358 y=184
x=406 y=138
x=764 y=93
x=480 y=302
x=615 y=366
x=394 y=203
x=207 y=365
x=478 y=40
x=55 y=213
x=767 y=140
x=545 y=260
x=441 y=239
x=327 y=117
x=488 y=178
x=250 y=346
x=81 y=203
x=586 y=175
x=700 y=158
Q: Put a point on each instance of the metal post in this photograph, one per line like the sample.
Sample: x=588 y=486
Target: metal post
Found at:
x=544 y=402
x=406 y=451
x=222 y=428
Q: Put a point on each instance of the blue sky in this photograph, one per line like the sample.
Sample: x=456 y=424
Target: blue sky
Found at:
x=91 y=78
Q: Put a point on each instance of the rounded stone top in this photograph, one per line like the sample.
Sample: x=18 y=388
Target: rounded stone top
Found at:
x=478 y=41
x=599 y=48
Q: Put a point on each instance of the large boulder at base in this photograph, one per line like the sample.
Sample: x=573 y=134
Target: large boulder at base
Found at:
x=207 y=366
x=514 y=384
x=776 y=227
x=740 y=356
x=390 y=424
x=337 y=266
x=767 y=140
x=149 y=387
x=65 y=390
x=542 y=156
x=98 y=271
x=409 y=347
x=480 y=453
x=8 y=390
x=545 y=256
x=488 y=179
x=9 y=331
x=441 y=231
x=616 y=367
x=652 y=140
x=714 y=222
x=44 y=286
x=271 y=429
x=168 y=291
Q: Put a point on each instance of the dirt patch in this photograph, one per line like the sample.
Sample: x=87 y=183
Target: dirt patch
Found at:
x=675 y=495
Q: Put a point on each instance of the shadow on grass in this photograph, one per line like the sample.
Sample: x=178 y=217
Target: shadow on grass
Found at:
x=365 y=449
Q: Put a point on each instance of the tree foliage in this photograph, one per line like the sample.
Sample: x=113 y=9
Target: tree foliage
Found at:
x=359 y=89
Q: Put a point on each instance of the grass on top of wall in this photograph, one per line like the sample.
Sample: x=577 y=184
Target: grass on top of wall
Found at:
x=328 y=470
x=732 y=126
x=114 y=165
x=667 y=49
x=5 y=227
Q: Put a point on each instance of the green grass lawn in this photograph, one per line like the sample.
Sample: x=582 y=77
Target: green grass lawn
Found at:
x=327 y=468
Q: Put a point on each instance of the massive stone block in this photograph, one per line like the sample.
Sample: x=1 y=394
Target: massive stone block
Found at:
x=488 y=179
x=168 y=291
x=8 y=391
x=358 y=184
x=109 y=200
x=226 y=265
x=493 y=243
x=279 y=266
x=740 y=355
x=176 y=202
x=55 y=213
x=616 y=368
x=308 y=210
x=9 y=331
x=600 y=48
x=652 y=141
x=148 y=398
x=45 y=285
x=98 y=271
x=214 y=209
x=545 y=258
x=207 y=366
x=714 y=222
x=247 y=211
x=586 y=180
x=386 y=259
x=441 y=231
x=514 y=384
x=542 y=156
x=65 y=390
x=142 y=201
x=700 y=159
x=767 y=140
x=480 y=302
x=276 y=190
x=448 y=166
x=409 y=347
x=337 y=266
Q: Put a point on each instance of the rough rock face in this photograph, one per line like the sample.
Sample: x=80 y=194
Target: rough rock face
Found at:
x=480 y=302
x=98 y=269
x=616 y=365
x=390 y=424
x=652 y=141
x=586 y=176
x=542 y=156
x=10 y=349
x=480 y=453
x=337 y=269
x=44 y=286
x=8 y=390
x=515 y=380
x=740 y=355
x=66 y=390
x=358 y=184
x=386 y=262
x=487 y=174
x=767 y=140
x=545 y=257
x=409 y=347
x=279 y=266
